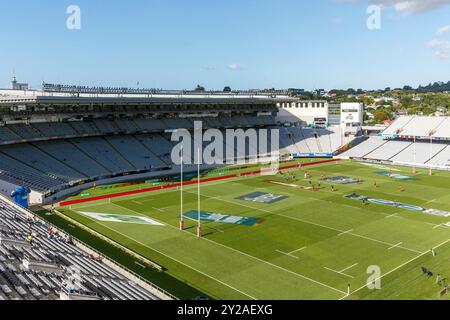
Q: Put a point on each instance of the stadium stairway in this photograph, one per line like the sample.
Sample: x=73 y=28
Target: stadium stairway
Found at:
x=63 y=163
x=444 y=153
x=119 y=154
x=90 y=157
x=42 y=270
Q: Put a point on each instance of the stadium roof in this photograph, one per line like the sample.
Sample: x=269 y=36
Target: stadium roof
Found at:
x=152 y=99
x=33 y=97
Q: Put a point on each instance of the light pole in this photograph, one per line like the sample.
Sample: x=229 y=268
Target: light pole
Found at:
x=415 y=154
x=431 y=153
x=181 y=193
x=199 y=228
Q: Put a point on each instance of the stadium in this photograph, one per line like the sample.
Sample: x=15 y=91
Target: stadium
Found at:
x=99 y=201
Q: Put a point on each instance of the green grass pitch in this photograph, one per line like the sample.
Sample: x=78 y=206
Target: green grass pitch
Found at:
x=311 y=245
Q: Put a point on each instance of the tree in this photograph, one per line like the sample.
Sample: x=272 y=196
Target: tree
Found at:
x=200 y=88
x=227 y=89
x=406 y=102
x=351 y=91
x=381 y=115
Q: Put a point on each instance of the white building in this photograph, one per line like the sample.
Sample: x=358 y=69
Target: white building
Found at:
x=307 y=113
x=352 y=116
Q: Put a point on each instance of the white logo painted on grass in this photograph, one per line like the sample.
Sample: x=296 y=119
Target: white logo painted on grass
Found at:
x=118 y=218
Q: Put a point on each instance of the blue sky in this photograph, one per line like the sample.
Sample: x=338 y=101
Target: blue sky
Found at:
x=241 y=43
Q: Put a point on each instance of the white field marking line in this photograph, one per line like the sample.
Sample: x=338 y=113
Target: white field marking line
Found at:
x=316 y=224
x=238 y=178
x=298 y=250
x=174 y=259
x=393 y=215
x=348 y=268
x=207 y=184
x=396 y=245
x=165 y=208
x=287 y=254
x=87 y=206
x=385 y=243
x=339 y=272
x=243 y=253
x=345 y=232
x=435 y=226
x=396 y=268
x=148 y=200
x=221 y=231
x=137 y=202
x=160 y=210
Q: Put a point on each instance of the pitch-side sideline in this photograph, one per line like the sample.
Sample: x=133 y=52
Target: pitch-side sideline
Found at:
x=176 y=185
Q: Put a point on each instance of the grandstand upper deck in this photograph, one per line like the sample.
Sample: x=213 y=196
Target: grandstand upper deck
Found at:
x=419 y=127
x=51 y=92
x=30 y=104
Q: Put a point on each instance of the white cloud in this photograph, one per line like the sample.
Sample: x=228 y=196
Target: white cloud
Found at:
x=234 y=66
x=413 y=6
x=443 y=30
x=442 y=54
x=406 y=7
x=435 y=43
x=441 y=48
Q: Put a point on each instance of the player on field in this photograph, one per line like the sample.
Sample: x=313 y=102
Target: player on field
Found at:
x=365 y=201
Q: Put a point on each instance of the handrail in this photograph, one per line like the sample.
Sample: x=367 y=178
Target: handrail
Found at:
x=103 y=256
x=114 y=243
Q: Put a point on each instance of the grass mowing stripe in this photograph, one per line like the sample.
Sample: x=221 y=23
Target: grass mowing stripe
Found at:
x=248 y=255
x=172 y=258
x=177 y=185
x=400 y=266
x=321 y=216
x=341 y=232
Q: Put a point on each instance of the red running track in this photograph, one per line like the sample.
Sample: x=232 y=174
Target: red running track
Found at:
x=171 y=186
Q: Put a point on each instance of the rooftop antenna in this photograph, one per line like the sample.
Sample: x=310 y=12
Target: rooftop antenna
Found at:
x=14 y=80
